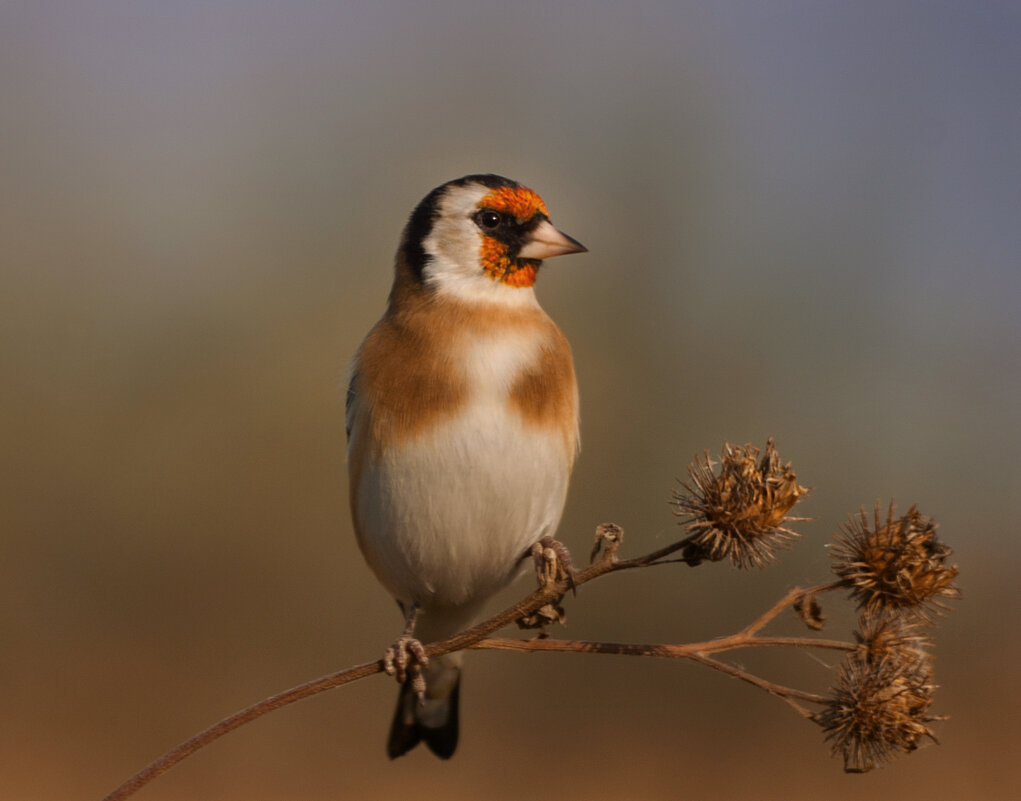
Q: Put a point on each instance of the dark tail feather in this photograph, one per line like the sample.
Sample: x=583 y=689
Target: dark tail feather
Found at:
x=404 y=733
x=408 y=730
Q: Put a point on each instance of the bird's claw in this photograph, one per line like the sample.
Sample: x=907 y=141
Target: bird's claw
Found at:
x=404 y=660
x=553 y=563
x=552 y=566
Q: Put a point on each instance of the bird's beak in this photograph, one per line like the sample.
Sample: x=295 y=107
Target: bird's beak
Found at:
x=545 y=241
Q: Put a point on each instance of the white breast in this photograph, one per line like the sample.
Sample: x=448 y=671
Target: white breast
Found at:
x=446 y=516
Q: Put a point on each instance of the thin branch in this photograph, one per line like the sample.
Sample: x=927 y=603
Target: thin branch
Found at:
x=475 y=637
x=736 y=641
x=685 y=651
x=696 y=652
x=457 y=642
x=653 y=557
x=228 y=724
x=760 y=622
x=787 y=694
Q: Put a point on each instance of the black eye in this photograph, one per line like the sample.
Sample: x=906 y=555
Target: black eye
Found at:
x=489 y=219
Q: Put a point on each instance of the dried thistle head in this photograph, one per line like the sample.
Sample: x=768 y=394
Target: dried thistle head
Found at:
x=879 y=708
x=898 y=565
x=741 y=513
x=891 y=635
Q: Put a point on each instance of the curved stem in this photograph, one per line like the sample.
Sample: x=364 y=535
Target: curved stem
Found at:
x=455 y=643
x=685 y=651
x=787 y=694
x=797 y=592
x=476 y=637
x=228 y=724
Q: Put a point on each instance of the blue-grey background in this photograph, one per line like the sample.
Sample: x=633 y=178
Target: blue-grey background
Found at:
x=803 y=220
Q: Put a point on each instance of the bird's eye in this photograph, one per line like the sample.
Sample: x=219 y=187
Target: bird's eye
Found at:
x=488 y=219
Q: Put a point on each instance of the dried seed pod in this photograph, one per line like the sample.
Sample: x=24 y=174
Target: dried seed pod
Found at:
x=891 y=635
x=898 y=565
x=808 y=609
x=742 y=513
x=879 y=708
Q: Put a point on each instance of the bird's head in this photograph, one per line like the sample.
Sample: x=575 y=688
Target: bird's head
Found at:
x=481 y=237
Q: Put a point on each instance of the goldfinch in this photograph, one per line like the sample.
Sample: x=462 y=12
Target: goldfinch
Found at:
x=462 y=424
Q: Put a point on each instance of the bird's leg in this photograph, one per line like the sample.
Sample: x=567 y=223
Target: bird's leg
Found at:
x=553 y=564
x=406 y=657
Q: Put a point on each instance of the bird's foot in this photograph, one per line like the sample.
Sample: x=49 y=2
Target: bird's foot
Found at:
x=404 y=660
x=553 y=565
x=406 y=657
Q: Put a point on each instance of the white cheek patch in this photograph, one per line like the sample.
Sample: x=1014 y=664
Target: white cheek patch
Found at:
x=453 y=248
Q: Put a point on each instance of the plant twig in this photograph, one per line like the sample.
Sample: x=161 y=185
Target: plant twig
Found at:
x=760 y=622
x=739 y=514
x=455 y=643
x=685 y=651
x=246 y=715
x=787 y=694
x=476 y=637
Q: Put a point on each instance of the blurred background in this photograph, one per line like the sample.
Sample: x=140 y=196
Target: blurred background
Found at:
x=803 y=220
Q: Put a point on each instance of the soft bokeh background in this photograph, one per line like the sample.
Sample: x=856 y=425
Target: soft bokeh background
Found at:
x=803 y=220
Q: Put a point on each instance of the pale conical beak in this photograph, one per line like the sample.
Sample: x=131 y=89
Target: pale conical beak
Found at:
x=545 y=242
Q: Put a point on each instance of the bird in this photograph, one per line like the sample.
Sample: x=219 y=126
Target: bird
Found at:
x=463 y=429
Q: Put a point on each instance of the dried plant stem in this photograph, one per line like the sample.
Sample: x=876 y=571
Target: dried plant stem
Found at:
x=787 y=694
x=455 y=643
x=246 y=715
x=697 y=652
x=476 y=637
x=653 y=557
x=663 y=651
x=797 y=592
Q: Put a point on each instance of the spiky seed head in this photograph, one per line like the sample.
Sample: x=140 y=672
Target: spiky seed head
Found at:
x=741 y=513
x=879 y=708
x=899 y=564
x=891 y=635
